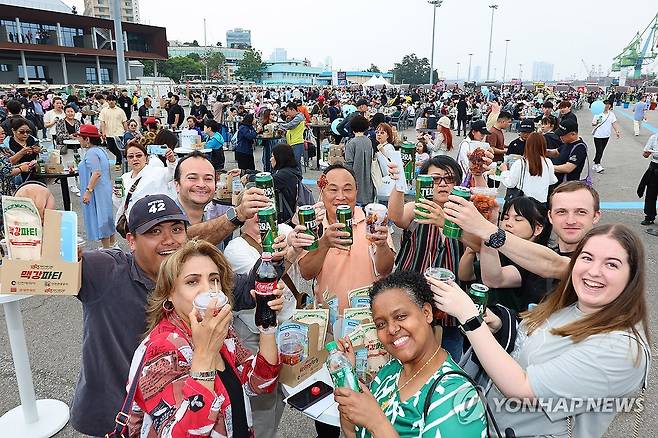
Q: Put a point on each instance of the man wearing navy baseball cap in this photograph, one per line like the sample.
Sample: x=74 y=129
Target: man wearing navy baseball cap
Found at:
x=573 y=152
x=115 y=285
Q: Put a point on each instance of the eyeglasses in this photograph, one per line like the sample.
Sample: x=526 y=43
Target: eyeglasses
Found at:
x=449 y=179
x=135 y=156
x=23 y=131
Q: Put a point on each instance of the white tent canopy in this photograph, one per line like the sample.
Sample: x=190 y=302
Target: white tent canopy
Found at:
x=376 y=81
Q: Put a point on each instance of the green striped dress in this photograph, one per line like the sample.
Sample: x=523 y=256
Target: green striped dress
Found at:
x=455 y=410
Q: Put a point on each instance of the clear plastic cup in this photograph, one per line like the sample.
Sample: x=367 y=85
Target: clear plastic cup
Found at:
x=444 y=275
x=291 y=349
x=376 y=216
x=484 y=199
x=202 y=301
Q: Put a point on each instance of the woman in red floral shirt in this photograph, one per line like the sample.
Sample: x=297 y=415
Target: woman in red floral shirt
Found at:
x=196 y=376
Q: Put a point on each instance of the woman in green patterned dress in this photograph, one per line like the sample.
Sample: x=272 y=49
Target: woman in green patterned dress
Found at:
x=394 y=405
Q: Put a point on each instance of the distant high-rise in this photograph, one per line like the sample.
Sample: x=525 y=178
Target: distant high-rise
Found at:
x=103 y=9
x=238 y=38
x=477 y=72
x=279 y=55
x=542 y=71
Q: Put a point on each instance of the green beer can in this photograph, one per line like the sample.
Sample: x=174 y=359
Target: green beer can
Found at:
x=344 y=216
x=265 y=181
x=307 y=218
x=424 y=190
x=450 y=229
x=118 y=185
x=268 y=227
x=408 y=153
x=480 y=295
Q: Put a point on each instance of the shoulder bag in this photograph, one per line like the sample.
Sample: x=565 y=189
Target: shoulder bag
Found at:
x=601 y=124
x=122 y=223
x=122 y=417
x=383 y=183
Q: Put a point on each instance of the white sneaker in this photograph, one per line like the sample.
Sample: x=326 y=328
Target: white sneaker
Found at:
x=74 y=189
x=595 y=167
x=599 y=169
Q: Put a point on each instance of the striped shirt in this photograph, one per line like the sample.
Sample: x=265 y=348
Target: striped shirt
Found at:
x=425 y=247
x=455 y=410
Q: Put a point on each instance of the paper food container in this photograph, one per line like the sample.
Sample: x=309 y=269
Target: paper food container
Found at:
x=225 y=192
x=49 y=276
x=292 y=375
x=54 y=168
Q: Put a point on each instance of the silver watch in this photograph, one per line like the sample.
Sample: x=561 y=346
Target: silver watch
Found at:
x=204 y=376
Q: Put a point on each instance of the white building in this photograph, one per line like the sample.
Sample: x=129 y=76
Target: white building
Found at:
x=279 y=55
x=103 y=9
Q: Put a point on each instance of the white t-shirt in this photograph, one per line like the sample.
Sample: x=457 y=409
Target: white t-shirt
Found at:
x=242 y=258
x=533 y=186
x=49 y=117
x=603 y=124
x=467 y=146
x=652 y=146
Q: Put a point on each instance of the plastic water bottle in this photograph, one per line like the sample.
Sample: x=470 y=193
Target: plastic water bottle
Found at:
x=342 y=373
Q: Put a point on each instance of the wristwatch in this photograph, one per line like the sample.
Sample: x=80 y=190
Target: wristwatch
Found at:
x=232 y=216
x=497 y=239
x=90 y=190
x=204 y=376
x=471 y=324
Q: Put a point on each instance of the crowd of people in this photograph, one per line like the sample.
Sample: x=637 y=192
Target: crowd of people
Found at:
x=566 y=320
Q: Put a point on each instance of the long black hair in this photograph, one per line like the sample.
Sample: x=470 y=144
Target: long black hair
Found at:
x=284 y=156
x=534 y=212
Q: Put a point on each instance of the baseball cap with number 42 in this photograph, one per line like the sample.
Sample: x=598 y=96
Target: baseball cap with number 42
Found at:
x=153 y=210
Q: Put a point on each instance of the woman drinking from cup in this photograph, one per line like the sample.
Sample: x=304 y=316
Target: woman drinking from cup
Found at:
x=66 y=128
x=415 y=378
x=193 y=363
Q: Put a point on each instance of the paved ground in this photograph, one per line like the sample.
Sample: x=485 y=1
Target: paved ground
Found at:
x=54 y=325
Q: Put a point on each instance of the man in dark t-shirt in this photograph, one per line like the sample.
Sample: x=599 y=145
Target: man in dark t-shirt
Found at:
x=517 y=146
x=175 y=113
x=572 y=155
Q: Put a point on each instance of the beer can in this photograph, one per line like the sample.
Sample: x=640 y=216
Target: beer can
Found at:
x=450 y=229
x=268 y=227
x=344 y=216
x=408 y=154
x=480 y=295
x=424 y=190
x=307 y=218
x=118 y=184
x=265 y=181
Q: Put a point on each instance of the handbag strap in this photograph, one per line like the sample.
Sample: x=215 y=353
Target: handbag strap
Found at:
x=601 y=124
x=285 y=277
x=130 y=193
x=523 y=163
x=121 y=420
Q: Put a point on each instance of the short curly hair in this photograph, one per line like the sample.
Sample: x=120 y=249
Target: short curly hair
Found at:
x=413 y=283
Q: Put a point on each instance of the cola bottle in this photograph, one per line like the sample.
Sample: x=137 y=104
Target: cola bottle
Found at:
x=266 y=281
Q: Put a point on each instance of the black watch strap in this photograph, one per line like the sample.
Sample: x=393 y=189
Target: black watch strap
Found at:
x=472 y=324
x=232 y=216
x=497 y=239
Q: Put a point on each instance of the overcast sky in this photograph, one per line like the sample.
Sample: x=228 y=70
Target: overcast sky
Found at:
x=355 y=33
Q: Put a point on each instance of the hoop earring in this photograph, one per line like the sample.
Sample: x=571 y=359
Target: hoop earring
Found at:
x=167 y=306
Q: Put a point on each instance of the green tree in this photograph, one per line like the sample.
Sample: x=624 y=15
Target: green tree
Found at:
x=194 y=56
x=194 y=43
x=251 y=66
x=219 y=44
x=215 y=61
x=412 y=70
x=374 y=69
x=175 y=67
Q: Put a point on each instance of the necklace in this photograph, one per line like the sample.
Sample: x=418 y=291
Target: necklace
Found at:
x=388 y=400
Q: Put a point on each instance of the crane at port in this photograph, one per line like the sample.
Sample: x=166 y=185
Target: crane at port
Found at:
x=642 y=50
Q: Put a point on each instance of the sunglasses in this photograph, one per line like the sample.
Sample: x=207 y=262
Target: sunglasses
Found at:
x=23 y=131
x=135 y=156
x=445 y=179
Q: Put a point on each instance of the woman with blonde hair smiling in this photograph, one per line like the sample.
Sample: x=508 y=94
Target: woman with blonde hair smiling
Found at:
x=194 y=374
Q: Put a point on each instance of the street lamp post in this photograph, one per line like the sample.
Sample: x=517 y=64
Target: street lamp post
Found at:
x=458 y=71
x=505 y=64
x=521 y=72
x=118 y=42
x=493 y=8
x=470 y=59
x=435 y=4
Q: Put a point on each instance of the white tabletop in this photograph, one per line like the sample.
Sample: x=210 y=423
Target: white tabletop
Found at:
x=71 y=141
x=10 y=298
x=184 y=151
x=326 y=410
